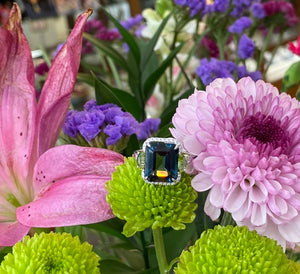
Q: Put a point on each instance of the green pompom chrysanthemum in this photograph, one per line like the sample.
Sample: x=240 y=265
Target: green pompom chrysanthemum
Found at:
x=234 y=250
x=145 y=205
x=51 y=253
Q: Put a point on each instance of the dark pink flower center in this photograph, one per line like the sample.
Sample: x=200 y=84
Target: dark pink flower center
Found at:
x=264 y=129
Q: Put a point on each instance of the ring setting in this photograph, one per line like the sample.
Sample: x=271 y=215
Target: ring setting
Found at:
x=161 y=161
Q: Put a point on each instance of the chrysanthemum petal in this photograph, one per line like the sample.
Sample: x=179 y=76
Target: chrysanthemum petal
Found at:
x=291 y=230
x=202 y=182
x=249 y=136
x=56 y=92
x=71 y=201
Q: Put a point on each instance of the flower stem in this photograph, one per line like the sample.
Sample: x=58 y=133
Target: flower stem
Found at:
x=160 y=251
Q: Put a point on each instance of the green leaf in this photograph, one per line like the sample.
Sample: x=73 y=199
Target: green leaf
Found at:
x=86 y=78
x=149 y=50
x=132 y=145
x=151 y=81
x=177 y=240
x=112 y=227
x=115 y=267
x=108 y=94
x=74 y=230
x=109 y=50
x=168 y=113
x=128 y=38
x=4 y=251
x=291 y=77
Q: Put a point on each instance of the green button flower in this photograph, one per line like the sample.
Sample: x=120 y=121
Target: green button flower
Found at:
x=51 y=253
x=235 y=250
x=144 y=205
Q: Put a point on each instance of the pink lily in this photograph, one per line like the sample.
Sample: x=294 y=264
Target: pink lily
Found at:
x=42 y=186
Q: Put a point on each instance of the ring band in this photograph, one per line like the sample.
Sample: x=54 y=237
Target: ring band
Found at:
x=161 y=161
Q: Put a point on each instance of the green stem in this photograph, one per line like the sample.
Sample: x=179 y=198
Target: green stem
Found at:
x=227 y=219
x=265 y=45
x=114 y=72
x=160 y=250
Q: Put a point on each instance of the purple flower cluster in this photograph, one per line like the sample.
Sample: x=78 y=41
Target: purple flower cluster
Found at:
x=258 y=10
x=134 y=24
x=100 y=31
x=245 y=47
x=107 y=120
x=240 y=25
x=203 y=7
x=240 y=6
x=211 y=69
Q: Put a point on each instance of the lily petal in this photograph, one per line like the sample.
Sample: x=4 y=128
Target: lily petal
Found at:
x=72 y=201
x=17 y=98
x=56 y=93
x=70 y=160
x=10 y=233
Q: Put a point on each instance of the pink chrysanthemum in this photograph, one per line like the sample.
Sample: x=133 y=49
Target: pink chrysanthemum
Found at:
x=245 y=137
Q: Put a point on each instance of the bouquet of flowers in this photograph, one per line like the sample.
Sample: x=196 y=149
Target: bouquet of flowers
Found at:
x=185 y=161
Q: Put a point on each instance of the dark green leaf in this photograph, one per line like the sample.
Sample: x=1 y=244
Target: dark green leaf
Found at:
x=115 y=267
x=132 y=145
x=4 y=251
x=291 y=77
x=112 y=227
x=128 y=38
x=108 y=94
x=177 y=240
x=74 y=230
x=151 y=81
x=109 y=50
x=168 y=113
x=86 y=78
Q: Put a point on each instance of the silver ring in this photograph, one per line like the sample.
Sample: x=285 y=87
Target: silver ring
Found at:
x=162 y=160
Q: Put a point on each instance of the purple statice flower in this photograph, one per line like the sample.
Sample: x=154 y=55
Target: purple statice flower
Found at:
x=216 y=6
x=245 y=138
x=258 y=11
x=91 y=124
x=240 y=25
x=240 y=6
x=122 y=124
x=133 y=22
x=73 y=120
x=147 y=128
x=246 y=47
x=243 y=72
x=104 y=122
x=214 y=68
x=195 y=6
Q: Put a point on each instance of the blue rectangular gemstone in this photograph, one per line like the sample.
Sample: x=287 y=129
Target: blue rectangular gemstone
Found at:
x=161 y=162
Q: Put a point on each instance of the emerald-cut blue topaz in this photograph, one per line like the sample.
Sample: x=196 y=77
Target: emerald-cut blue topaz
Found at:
x=161 y=161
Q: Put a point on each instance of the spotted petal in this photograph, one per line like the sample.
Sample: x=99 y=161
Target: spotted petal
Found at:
x=69 y=160
x=71 y=201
